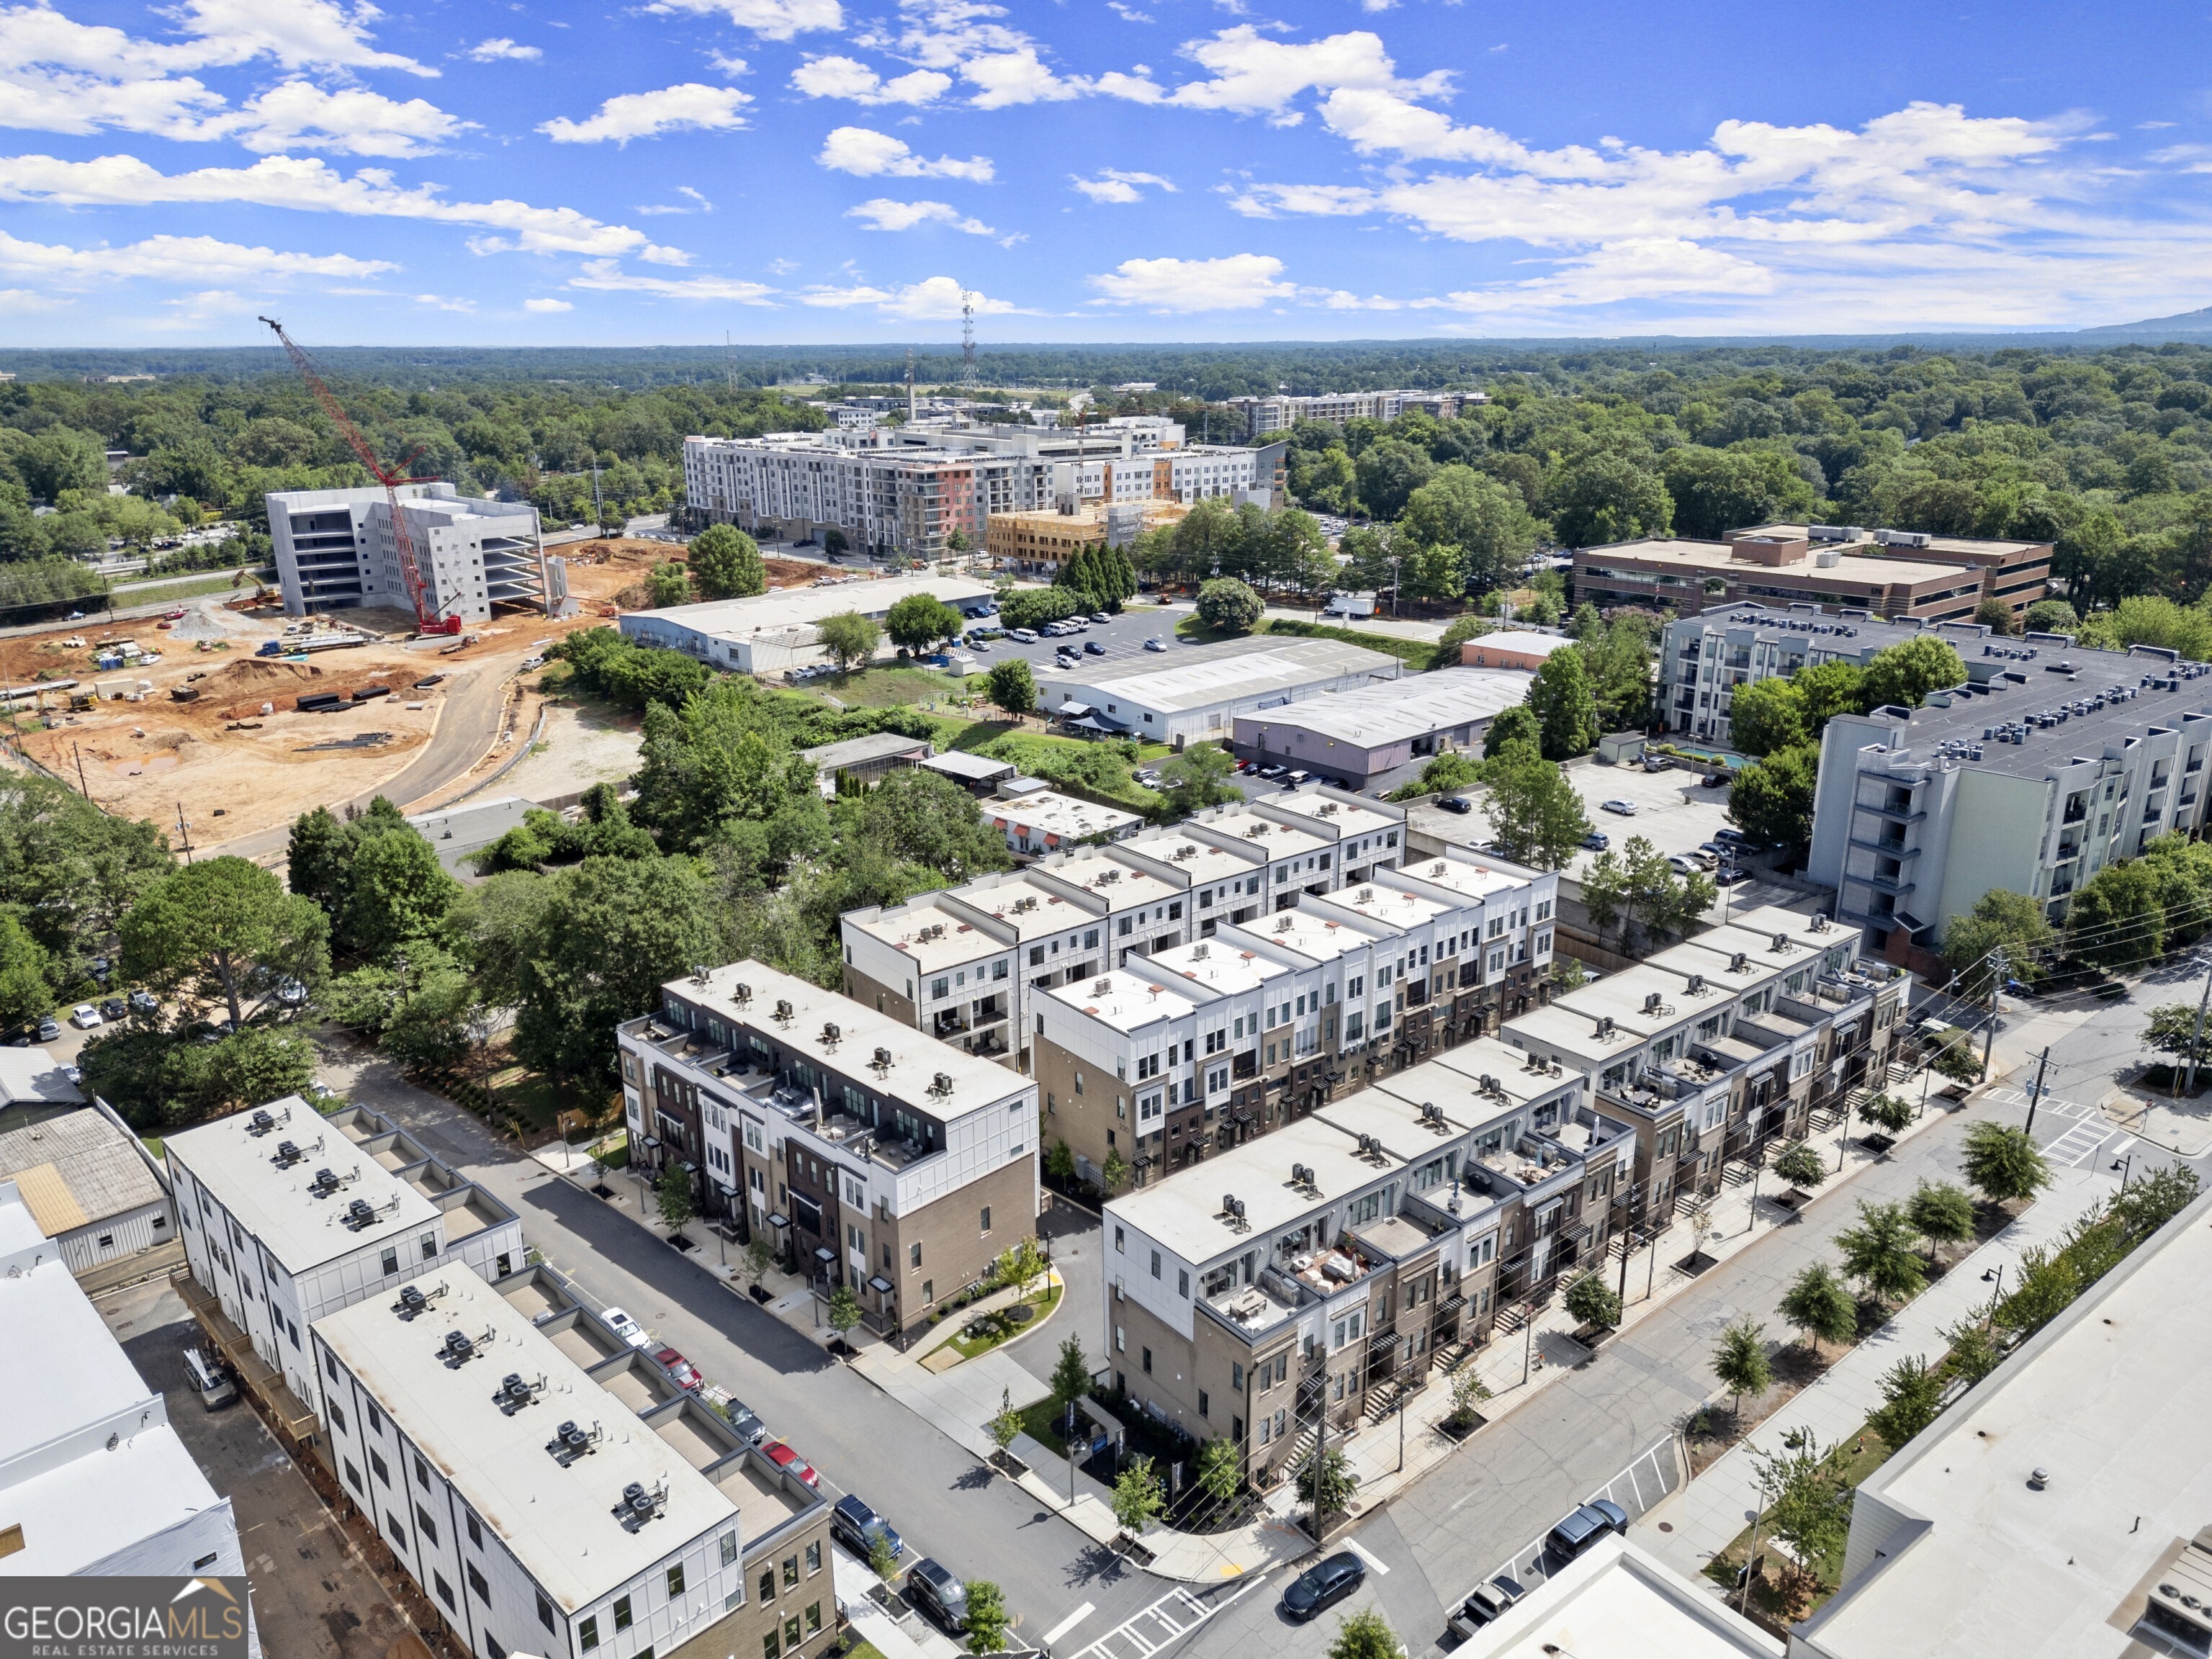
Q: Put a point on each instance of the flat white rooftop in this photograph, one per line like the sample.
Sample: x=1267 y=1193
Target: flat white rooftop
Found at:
x=1218 y=964
x=32 y=1074
x=1618 y=1602
x=1127 y=1002
x=1373 y=715
x=1228 y=671
x=931 y=934
x=1045 y=812
x=272 y=1200
x=558 y=1522
x=1185 y=1214
x=803 y=607
x=2110 y=1402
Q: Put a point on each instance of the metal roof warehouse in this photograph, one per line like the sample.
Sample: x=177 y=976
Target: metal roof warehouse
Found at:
x=1202 y=689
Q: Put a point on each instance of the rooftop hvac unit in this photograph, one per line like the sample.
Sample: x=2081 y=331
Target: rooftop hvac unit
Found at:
x=882 y=1059
x=700 y=973
x=288 y=1154
x=1653 y=1003
x=1697 y=985
x=360 y=1214
x=1605 y=1025
x=324 y=1184
x=782 y=1012
x=741 y=993
x=830 y=1034
x=1100 y=987
x=1781 y=942
x=1827 y=558
x=260 y=1124
x=638 y=1505
x=570 y=1442
x=941 y=1083
x=457 y=1349
x=1740 y=963
x=411 y=1302
x=1819 y=925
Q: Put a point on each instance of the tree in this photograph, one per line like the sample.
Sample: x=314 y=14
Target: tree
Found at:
x=726 y=564
x=1995 y=615
x=1766 y=715
x=1879 y=1253
x=834 y=541
x=1891 y=1114
x=918 y=621
x=1975 y=1352
x=218 y=921
x=1137 y=1499
x=1618 y=659
x=758 y=1255
x=1592 y=1301
x=1484 y=520
x=1825 y=691
x=1818 y=1303
x=1904 y=673
x=1069 y=1379
x=25 y=991
x=921 y=818
x=1566 y=711
x=1005 y=1423
x=1365 y=1634
x=1218 y=1471
x=1771 y=800
x=2118 y=919
x=1446 y=774
x=1911 y=1395
x=672 y=1196
x=318 y=857
x=1741 y=1362
x=1327 y=1482
x=882 y=1556
x=1387 y=472
x=396 y=890
x=1800 y=1165
x=668 y=583
x=845 y=1313
x=1534 y=813
x=955 y=540
x=2044 y=1287
x=849 y=638
x=1517 y=724
x=1637 y=882
x=1197 y=778
x=1019 y=1265
x=2051 y=616
x=1715 y=491
x=1469 y=1392
x=1807 y=1495
x=1228 y=606
x=1942 y=1213
x=988 y=1624
x=2001 y=921
x=1604 y=498
x=1059 y=1162
x=2002 y=1164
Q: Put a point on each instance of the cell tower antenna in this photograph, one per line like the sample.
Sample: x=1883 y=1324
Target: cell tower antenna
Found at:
x=968 y=340
x=410 y=569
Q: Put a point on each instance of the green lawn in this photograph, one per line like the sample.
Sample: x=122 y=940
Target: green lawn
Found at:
x=1417 y=654
x=889 y=687
x=1041 y=1421
x=1044 y=1301
x=190 y=588
x=1869 y=1452
x=1094 y=769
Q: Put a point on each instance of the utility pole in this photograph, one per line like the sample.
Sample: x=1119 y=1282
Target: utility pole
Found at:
x=183 y=831
x=84 y=788
x=1996 y=980
x=1320 y=1463
x=2196 y=1040
x=2035 y=1098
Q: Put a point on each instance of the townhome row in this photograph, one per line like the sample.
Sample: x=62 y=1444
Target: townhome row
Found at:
x=1327 y=1265
x=288 y=1215
x=1154 y=1063
x=869 y=1155
x=967 y=964
x=552 y=1491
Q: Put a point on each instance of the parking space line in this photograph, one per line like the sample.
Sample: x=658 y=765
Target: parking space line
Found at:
x=1069 y=1622
x=1366 y=1555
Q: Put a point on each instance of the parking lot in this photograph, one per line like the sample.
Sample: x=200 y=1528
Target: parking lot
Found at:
x=1673 y=812
x=1122 y=642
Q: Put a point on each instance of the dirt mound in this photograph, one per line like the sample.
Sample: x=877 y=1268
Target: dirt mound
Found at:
x=256 y=670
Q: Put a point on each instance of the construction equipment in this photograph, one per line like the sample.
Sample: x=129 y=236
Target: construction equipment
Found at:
x=426 y=616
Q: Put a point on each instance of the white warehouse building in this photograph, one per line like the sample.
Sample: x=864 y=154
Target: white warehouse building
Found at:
x=773 y=633
x=1199 y=692
x=337 y=550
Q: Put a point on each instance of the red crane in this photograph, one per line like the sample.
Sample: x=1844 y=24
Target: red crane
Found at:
x=418 y=593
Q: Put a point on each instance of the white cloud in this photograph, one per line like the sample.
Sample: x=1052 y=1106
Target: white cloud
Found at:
x=690 y=106
x=849 y=77
x=1237 y=282
x=606 y=277
x=441 y=302
x=1113 y=185
x=1004 y=79
x=175 y=258
x=772 y=19
x=935 y=298
x=1255 y=75
x=297 y=34
x=869 y=155
x=884 y=214
x=309 y=184
x=547 y=306
x=1635 y=267
x=300 y=115
x=500 y=48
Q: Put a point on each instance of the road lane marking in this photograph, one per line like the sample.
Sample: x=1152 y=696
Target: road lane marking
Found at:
x=1126 y=1641
x=1366 y=1555
x=1069 y=1622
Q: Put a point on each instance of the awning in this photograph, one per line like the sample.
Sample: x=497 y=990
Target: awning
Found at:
x=1092 y=726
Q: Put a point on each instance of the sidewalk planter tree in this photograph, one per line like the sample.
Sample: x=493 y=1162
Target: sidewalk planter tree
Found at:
x=1071 y=1380
x=1365 y=1634
x=1469 y=1392
x=1975 y=1351
x=1019 y=1265
x=989 y=1622
x=844 y=1311
x=1800 y=1165
x=672 y=1195
x=1218 y=1471
x=1327 y=1482
x=759 y=1256
x=1888 y=1113
x=1592 y=1301
x=1819 y=1303
x=1879 y=1253
x=1003 y=1427
x=883 y=1557
x=1809 y=1500
x=1137 y=1499
x=2002 y=1163
x=1911 y=1397
x=1741 y=1362
x=1942 y=1213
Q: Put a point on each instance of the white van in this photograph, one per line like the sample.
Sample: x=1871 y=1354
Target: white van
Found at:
x=208 y=1381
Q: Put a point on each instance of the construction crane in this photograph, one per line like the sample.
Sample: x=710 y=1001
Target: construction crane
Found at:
x=418 y=593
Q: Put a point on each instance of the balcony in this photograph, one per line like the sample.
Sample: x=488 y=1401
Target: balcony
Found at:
x=949 y=1023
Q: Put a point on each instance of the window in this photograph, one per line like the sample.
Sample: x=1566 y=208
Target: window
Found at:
x=587 y=1633
x=375 y=1417
x=106 y=1241
x=790 y=1571
x=476 y=1532
x=391 y=1262
x=446 y=1590
x=914 y=1256
x=422 y=1471
x=545 y=1611
x=1236 y=1377
x=1202 y=1403
x=771 y=1648
x=1183 y=1282
x=768 y=1585
x=1117 y=1238
x=1148 y=1362
x=424 y=1524
x=353 y=1477
x=622 y=1612
x=987 y=1221
x=813 y=1617
x=429 y=1247
x=330 y=1364
x=1156 y=1264
x=338 y=1417
x=483 y=1595
x=729 y=1548
x=376 y=1462
x=814 y=1557
x=792 y=1636
x=676 y=1579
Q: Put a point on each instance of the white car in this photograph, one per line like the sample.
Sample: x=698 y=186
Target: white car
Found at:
x=627 y=1328
x=1625 y=808
x=84 y=1017
x=1156 y=644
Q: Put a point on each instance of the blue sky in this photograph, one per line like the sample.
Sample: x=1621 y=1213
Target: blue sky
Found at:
x=459 y=171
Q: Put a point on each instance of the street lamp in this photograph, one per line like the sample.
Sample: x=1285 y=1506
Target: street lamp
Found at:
x=2126 y=1167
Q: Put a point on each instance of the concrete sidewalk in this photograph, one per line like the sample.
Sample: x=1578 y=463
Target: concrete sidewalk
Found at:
x=1707 y=1516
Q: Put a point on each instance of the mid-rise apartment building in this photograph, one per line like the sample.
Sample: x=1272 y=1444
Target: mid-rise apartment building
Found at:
x=1040 y=543
x=551 y=1492
x=1160 y=1063
x=288 y=1215
x=2049 y=762
x=1896 y=573
x=963 y=965
x=869 y=1155
x=338 y=549
x=1705 y=659
x=1285 y=411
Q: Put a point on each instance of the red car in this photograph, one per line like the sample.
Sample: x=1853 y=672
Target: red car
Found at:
x=784 y=1458
x=681 y=1369
x=176 y=615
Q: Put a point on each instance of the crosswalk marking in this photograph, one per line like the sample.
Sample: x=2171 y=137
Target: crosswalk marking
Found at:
x=1363 y=1553
x=1174 y=1616
x=1069 y=1622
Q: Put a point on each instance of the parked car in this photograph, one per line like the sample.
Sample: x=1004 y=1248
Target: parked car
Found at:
x=1598 y=841
x=747 y=1427
x=1625 y=808
x=1720 y=850
x=1714 y=780
x=73 y=1073
x=84 y=1017
x=937 y=1595
x=291 y=992
x=627 y=1328
x=208 y=1380
x=1703 y=858
x=790 y=1461
x=1274 y=773
x=1156 y=644
x=1727 y=876
x=1735 y=839
x=144 y=1002
x=1102 y=616
x=1321 y=1587
x=114 y=1008
x=681 y=1369
x=1094 y=647
x=49 y=1029
x=1456 y=803
x=857 y=1526
x=1683 y=864
x=1149 y=778
x=1296 y=776
x=1027 y=636
x=1575 y=1533
x=1484 y=1603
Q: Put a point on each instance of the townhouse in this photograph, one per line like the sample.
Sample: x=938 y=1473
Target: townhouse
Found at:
x=1151 y=1066
x=963 y=965
x=868 y=1155
x=287 y=1216
x=552 y=1491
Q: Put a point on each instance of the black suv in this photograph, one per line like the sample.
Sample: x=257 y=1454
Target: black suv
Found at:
x=1324 y=1586
x=935 y=1593
x=858 y=1527
x=1578 y=1531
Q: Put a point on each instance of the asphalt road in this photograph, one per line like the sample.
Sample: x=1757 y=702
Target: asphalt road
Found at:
x=934 y=1490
